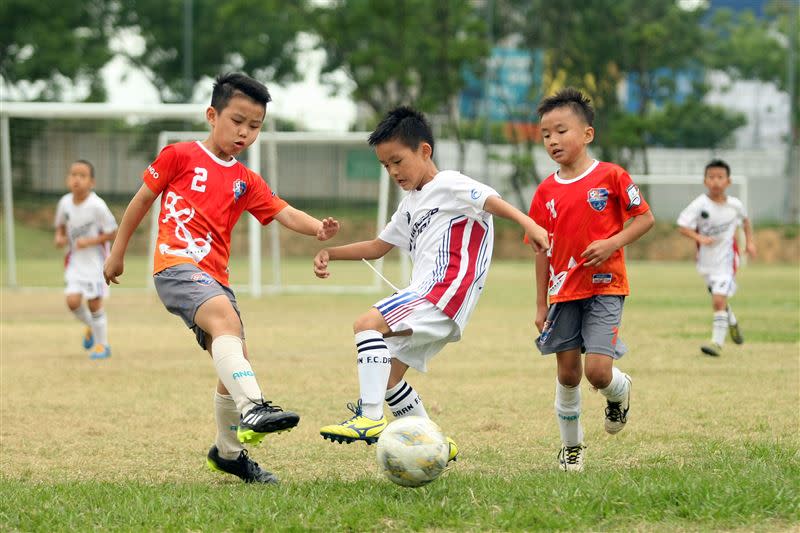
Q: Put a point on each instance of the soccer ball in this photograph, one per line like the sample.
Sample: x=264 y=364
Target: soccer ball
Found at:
x=412 y=451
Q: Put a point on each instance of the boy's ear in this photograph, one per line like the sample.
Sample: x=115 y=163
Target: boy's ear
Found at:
x=211 y=115
x=588 y=134
x=427 y=151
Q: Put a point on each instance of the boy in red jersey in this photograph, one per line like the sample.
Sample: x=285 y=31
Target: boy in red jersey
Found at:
x=204 y=191
x=583 y=206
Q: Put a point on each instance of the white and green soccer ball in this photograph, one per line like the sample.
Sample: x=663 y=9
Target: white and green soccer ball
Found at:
x=412 y=451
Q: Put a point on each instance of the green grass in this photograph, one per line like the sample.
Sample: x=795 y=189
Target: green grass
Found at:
x=712 y=443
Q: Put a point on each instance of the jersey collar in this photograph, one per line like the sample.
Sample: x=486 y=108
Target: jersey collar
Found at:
x=573 y=180
x=215 y=158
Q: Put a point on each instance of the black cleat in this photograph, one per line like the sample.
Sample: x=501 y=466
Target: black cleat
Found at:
x=262 y=419
x=242 y=467
x=736 y=334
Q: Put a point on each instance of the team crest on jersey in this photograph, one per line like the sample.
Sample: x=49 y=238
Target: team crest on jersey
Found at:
x=475 y=194
x=598 y=198
x=201 y=278
x=604 y=278
x=634 y=198
x=239 y=188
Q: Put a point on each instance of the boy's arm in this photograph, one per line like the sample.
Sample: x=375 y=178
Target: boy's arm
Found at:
x=749 y=242
x=302 y=222
x=692 y=234
x=599 y=251
x=85 y=242
x=134 y=213
x=373 y=249
x=60 y=237
x=542 y=274
x=537 y=235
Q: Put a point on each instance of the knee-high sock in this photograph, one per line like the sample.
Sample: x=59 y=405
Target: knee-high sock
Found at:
x=568 y=414
x=226 y=415
x=82 y=314
x=617 y=390
x=374 y=365
x=235 y=371
x=403 y=400
x=100 y=327
x=720 y=327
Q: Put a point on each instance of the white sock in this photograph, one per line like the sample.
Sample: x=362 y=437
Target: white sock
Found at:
x=374 y=365
x=100 y=327
x=403 y=400
x=731 y=317
x=617 y=390
x=235 y=372
x=568 y=414
x=720 y=327
x=82 y=314
x=227 y=416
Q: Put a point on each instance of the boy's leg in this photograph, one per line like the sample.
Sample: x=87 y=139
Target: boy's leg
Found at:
x=733 y=327
x=401 y=397
x=615 y=385
x=99 y=327
x=568 y=409
x=75 y=305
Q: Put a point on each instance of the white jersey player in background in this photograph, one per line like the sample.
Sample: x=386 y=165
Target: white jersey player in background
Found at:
x=85 y=225
x=711 y=220
x=445 y=224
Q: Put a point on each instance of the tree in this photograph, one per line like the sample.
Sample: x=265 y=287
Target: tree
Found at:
x=257 y=36
x=47 y=48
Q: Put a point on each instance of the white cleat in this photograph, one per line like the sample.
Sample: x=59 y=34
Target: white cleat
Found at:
x=570 y=458
x=617 y=412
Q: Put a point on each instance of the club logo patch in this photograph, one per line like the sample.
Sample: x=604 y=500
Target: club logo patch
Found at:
x=605 y=277
x=598 y=198
x=634 y=198
x=475 y=194
x=239 y=188
x=201 y=278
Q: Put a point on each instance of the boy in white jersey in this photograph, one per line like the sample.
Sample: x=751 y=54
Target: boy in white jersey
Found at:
x=445 y=224
x=85 y=225
x=711 y=221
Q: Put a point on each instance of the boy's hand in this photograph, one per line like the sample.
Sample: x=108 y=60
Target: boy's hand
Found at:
x=750 y=248
x=112 y=268
x=330 y=226
x=704 y=240
x=81 y=243
x=598 y=251
x=321 y=264
x=537 y=237
x=541 y=316
x=60 y=240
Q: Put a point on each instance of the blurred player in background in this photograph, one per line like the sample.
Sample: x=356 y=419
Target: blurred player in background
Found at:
x=204 y=191
x=711 y=220
x=85 y=225
x=584 y=206
x=445 y=224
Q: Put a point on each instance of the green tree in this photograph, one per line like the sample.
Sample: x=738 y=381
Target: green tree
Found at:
x=53 y=46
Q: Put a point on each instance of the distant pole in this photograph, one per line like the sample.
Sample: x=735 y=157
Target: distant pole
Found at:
x=487 y=75
x=792 y=155
x=188 y=37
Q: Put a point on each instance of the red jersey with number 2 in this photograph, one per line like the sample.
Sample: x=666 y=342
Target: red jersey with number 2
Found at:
x=577 y=212
x=202 y=198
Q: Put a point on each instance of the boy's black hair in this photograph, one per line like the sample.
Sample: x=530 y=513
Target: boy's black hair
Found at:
x=570 y=97
x=718 y=163
x=88 y=164
x=403 y=124
x=227 y=85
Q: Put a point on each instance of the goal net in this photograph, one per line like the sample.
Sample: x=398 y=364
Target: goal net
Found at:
x=324 y=174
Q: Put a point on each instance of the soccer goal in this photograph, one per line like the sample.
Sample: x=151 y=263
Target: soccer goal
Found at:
x=325 y=174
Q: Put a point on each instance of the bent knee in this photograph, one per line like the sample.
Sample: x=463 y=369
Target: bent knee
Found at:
x=599 y=377
x=371 y=320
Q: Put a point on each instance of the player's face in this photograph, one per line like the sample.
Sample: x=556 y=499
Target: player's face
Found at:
x=716 y=181
x=565 y=135
x=408 y=168
x=79 y=179
x=235 y=127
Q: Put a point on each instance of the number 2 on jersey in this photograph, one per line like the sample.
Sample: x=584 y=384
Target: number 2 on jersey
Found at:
x=199 y=180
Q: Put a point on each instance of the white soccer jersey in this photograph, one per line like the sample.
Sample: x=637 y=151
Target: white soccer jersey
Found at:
x=718 y=221
x=449 y=237
x=89 y=219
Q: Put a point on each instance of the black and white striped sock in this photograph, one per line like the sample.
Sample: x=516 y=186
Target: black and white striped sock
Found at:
x=403 y=400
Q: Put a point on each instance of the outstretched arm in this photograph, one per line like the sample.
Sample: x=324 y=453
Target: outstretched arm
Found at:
x=358 y=250
x=302 y=222
x=134 y=213
x=599 y=251
x=537 y=236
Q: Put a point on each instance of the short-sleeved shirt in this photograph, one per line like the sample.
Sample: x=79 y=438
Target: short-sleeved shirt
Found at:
x=202 y=199
x=449 y=237
x=87 y=219
x=577 y=212
x=718 y=221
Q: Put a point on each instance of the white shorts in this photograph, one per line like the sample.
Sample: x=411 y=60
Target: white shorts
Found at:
x=88 y=289
x=721 y=284
x=431 y=328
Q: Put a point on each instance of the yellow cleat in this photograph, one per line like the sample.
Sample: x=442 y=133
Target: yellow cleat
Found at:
x=359 y=427
x=453 y=450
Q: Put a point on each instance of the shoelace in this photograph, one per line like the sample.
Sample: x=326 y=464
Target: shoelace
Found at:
x=355 y=408
x=268 y=406
x=613 y=412
x=572 y=454
x=250 y=466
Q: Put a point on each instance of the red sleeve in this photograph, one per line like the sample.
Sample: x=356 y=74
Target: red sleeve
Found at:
x=631 y=203
x=263 y=203
x=160 y=172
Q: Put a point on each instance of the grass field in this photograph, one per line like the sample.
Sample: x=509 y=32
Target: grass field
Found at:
x=712 y=443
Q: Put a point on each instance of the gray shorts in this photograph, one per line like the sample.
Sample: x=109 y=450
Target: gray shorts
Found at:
x=184 y=288
x=591 y=324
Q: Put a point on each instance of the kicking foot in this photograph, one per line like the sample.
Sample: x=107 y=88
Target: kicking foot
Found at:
x=262 y=419
x=358 y=427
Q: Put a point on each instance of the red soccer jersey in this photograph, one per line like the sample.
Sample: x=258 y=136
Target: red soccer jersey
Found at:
x=202 y=199
x=577 y=212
